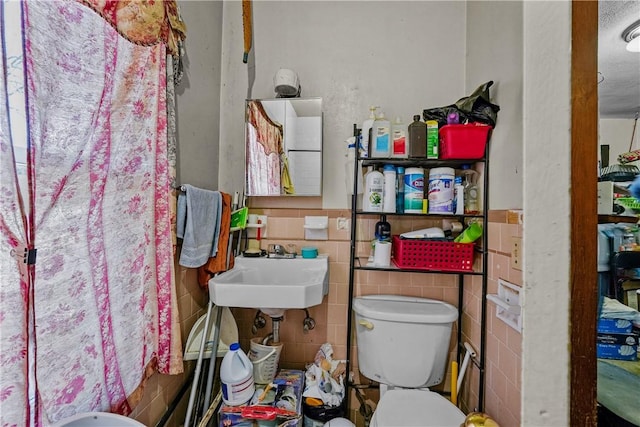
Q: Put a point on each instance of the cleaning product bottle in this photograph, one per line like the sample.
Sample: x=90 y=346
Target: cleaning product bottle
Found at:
x=471 y=206
x=236 y=376
x=366 y=131
x=400 y=190
x=458 y=196
x=382 y=243
x=417 y=133
x=433 y=139
x=380 y=144
x=413 y=190
x=399 y=147
x=373 y=191
x=349 y=165
x=389 y=196
x=383 y=229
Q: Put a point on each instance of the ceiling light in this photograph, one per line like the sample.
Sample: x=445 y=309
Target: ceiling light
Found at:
x=632 y=37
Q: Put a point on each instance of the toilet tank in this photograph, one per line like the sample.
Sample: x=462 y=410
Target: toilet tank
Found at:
x=403 y=341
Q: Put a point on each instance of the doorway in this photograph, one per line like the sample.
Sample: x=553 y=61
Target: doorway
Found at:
x=584 y=219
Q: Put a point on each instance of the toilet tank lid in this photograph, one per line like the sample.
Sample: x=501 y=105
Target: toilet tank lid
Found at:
x=404 y=309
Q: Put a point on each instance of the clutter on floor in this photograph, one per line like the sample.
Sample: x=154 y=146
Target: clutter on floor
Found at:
x=275 y=404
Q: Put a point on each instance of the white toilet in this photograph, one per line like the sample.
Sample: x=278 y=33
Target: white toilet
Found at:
x=403 y=343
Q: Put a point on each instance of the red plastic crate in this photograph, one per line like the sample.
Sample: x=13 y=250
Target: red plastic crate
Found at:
x=432 y=255
x=463 y=141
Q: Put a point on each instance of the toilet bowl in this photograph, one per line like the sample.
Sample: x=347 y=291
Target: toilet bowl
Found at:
x=424 y=408
x=403 y=343
x=339 y=422
x=98 y=419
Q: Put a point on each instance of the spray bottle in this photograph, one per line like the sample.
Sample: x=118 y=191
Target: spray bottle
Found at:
x=366 y=132
x=349 y=165
x=471 y=206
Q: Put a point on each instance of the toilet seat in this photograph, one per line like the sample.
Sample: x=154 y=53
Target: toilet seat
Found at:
x=419 y=408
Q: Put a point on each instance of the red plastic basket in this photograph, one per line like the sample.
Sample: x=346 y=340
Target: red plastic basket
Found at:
x=463 y=141
x=432 y=255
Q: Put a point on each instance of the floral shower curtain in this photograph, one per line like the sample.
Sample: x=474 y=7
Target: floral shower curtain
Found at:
x=85 y=325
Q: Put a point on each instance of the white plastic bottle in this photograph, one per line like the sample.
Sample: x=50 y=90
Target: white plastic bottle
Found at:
x=366 y=131
x=389 y=195
x=372 y=200
x=236 y=376
x=458 y=191
x=380 y=137
x=399 y=140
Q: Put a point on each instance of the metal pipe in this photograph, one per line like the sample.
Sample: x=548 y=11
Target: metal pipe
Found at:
x=214 y=355
x=194 y=387
x=469 y=353
x=352 y=257
x=276 y=328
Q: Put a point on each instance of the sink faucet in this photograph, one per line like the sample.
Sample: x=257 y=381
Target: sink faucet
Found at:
x=279 y=251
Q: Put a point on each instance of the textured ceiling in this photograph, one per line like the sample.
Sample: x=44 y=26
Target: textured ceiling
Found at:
x=619 y=92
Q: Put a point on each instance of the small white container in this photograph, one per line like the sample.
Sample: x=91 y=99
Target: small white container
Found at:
x=441 y=182
x=236 y=376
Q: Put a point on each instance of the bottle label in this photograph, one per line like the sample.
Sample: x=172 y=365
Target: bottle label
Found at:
x=375 y=200
x=399 y=143
x=382 y=139
x=413 y=192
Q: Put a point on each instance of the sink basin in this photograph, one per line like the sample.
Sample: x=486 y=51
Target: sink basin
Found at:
x=270 y=284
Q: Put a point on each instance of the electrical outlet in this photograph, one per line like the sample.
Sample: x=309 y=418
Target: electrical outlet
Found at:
x=516 y=253
x=342 y=223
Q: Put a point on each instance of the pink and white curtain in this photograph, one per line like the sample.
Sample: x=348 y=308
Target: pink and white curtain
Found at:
x=82 y=328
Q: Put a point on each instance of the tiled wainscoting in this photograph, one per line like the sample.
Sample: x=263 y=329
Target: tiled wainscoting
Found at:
x=285 y=226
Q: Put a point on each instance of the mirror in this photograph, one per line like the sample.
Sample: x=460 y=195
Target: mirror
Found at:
x=283 y=147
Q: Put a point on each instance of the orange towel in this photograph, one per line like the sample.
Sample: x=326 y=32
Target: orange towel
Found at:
x=218 y=263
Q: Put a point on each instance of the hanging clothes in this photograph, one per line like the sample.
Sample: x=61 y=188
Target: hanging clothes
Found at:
x=264 y=146
x=97 y=314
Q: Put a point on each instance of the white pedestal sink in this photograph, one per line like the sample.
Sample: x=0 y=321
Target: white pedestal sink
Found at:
x=272 y=284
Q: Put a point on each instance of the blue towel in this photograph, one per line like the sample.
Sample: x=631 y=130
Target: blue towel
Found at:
x=198 y=224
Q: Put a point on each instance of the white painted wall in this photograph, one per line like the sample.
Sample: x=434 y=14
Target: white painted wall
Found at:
x=546 y=200
x=198 y=96
x=617 y=133
x=494 y=52
x=352 y=54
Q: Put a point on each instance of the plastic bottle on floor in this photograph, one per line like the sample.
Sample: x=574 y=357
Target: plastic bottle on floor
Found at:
x=236 y=376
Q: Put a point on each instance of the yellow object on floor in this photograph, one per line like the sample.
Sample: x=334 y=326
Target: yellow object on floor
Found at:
x=479 y=419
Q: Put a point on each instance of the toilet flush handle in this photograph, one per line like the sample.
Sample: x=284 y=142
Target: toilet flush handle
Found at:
x=366 y=324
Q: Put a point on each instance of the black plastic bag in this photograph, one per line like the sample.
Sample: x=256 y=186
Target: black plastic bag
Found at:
x=475 y=108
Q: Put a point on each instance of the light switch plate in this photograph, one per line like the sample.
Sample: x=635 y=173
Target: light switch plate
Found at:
x=516 y=253
x=342 y=223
